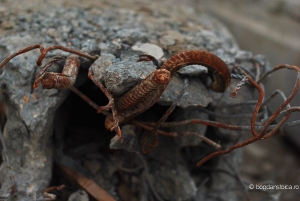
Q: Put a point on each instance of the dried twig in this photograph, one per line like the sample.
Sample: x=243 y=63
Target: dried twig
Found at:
x=87 y=184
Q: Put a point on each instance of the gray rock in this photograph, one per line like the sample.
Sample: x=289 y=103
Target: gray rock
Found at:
x=91 y=47
x=184 y=114
x=196 y=94
x=130 y=140
x=193 y=70
x=173 y=182
x=29 y=122
x=148 y=48
x=121 y=33
x=122 y=76
x=79 y=195
x=101 y=64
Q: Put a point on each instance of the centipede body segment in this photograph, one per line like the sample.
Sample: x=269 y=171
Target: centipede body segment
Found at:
x=215 y=65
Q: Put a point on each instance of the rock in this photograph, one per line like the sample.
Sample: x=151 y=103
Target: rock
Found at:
x=121 y=31
x=79 y=195
x=189 y=113
x=29 y=121
x=173 y=182
x=122 y=76
x=148 y=48
x=130 y=141
x=7 y=25
x=193 y=70
x=91 y=47
x=101 y=64
x=196 y=94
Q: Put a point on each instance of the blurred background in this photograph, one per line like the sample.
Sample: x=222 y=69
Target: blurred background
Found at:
x=270 y=28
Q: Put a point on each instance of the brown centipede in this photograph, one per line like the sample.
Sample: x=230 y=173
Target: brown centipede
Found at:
x=148 y=91
x=143 y=95
x=215 y=65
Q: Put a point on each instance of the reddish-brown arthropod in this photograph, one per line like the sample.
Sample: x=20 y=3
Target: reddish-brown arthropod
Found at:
x=145 y=94
x=214 y=64
x=140 y=97
x=148 y=91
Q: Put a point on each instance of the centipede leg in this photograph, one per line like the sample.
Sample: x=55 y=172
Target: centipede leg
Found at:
x=45 y=68
x=110 y=105
x=146 y=57
x=163 y=119
x=63 y=80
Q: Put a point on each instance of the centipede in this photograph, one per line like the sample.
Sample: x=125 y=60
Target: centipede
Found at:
x=217 y=67
x=148 y=91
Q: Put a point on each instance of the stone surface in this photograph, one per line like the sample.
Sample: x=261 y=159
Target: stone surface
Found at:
x=148 y=48
x=195 y=95
x=122 y=76
x=173 y=182
x=116 y=28
x=29 y=126
x=79 y=195
x=130 y=140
